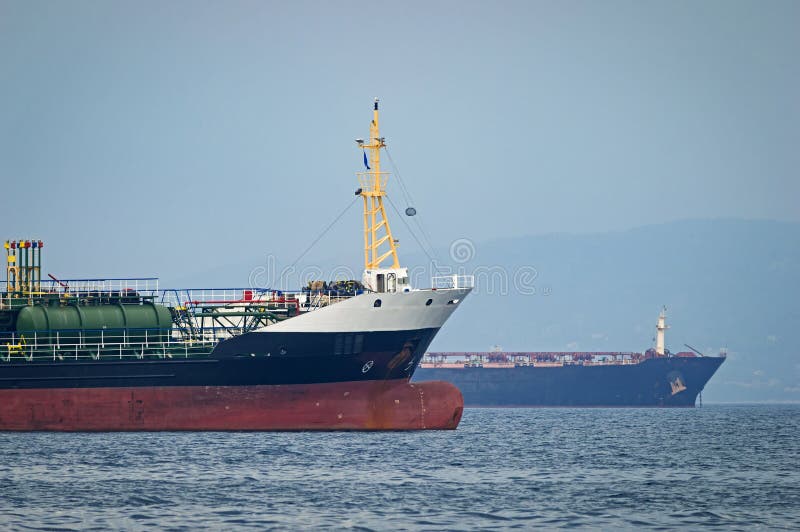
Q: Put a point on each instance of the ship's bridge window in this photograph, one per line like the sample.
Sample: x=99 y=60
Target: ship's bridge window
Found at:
x=377 y=303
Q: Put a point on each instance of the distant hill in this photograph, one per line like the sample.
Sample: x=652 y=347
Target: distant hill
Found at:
x=726 y=283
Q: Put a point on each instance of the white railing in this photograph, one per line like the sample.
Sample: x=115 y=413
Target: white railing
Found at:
x=199 y=316
x=192 y=298
x=449 y=282
x=140 y=285
x=119 y=351
x=187 y=297
x=544 y=359
x=106 y=343
x=182 y=297
x=66 y=288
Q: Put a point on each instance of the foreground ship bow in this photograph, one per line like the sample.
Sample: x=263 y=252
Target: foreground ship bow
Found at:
x=122 y=354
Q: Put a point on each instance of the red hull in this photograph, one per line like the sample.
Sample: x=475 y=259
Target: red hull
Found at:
x=338 y=406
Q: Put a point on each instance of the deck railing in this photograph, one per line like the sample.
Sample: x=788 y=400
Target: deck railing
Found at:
x=81 y=288
x=513 y=359
x=106 y=344
x=201 y=318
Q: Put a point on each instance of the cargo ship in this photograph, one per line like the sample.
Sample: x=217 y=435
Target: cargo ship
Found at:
x=127 y=355
x=655 y=378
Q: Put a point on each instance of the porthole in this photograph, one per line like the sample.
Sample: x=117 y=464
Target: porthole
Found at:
x=377 y=303
x=452 y=302
x=428 y=302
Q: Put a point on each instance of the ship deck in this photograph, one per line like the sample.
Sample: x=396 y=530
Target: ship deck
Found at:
x=198 y=318
x=542 y=359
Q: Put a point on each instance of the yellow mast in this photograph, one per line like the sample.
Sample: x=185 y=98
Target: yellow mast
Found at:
x=373 y=188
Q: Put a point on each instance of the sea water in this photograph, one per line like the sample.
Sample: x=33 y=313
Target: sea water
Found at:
x=729 y=467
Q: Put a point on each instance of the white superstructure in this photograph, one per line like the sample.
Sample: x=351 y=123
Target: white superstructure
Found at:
x=661 y=326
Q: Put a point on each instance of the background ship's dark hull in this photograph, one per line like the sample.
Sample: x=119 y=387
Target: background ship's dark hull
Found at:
x=648 y=383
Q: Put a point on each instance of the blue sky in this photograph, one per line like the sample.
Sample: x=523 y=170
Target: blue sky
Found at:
x=150 y=138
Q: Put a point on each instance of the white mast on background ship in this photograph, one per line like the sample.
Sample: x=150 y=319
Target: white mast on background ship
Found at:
x=661 y=327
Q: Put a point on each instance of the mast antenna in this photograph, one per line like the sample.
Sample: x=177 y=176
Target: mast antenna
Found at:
x=379 y=245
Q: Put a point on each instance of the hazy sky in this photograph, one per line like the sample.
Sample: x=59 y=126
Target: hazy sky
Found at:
x=148 y=138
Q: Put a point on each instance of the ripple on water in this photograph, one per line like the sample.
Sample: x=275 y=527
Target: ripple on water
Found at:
x=719 y=466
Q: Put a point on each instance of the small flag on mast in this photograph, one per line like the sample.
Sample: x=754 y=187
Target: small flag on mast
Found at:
x=365 y=161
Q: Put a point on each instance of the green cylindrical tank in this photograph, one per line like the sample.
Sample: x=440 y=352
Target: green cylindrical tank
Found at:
x=110 y=323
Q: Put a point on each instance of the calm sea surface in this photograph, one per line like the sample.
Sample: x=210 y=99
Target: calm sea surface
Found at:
x=727 y=467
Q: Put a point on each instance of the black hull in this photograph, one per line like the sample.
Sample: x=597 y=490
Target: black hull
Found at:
x=654 y=382
x=247 y=360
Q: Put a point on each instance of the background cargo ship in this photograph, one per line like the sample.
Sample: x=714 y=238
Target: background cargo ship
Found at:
x=122 y=354
x=590 y=379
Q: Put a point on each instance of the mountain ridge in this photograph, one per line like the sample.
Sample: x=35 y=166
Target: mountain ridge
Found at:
x=727 y=283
